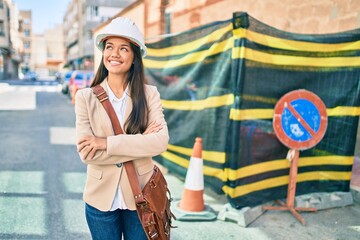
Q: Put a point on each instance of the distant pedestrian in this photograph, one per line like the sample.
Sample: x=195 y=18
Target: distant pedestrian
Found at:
x=109 y=203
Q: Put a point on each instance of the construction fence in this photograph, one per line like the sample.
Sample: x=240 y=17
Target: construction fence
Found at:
x=221 y=82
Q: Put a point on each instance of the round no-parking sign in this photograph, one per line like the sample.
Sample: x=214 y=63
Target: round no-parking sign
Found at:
x=300 y=119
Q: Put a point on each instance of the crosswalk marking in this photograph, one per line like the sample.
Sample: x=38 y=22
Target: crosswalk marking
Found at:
x=62 y=135
x=25 y=205
x=22 y=97
x=17 y=100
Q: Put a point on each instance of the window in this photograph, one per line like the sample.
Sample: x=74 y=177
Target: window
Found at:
x=89 y=35
x=27 y=33
x=1 y=4
x=27 y=21
x=167 y=22
x=26 y=57
x=2 y=28
x=92 y=12
x=27 y=44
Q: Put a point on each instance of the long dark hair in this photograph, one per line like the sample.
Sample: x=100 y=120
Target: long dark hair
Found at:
x=138 y=119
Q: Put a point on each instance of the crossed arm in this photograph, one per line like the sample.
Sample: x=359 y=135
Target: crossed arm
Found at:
x=88 y=145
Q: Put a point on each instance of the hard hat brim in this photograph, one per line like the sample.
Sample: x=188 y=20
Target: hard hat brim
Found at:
x=100 y=39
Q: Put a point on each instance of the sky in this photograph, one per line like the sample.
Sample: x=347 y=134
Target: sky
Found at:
x=45 y=13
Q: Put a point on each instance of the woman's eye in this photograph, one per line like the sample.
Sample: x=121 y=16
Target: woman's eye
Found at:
x=124 y=49
x=108 y=47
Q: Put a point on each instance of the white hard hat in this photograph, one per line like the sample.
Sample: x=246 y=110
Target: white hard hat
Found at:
x=122 y=27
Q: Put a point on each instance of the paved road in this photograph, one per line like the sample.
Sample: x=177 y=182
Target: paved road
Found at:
x=42 y=178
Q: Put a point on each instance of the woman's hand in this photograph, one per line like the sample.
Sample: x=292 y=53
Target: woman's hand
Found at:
x=88 y=145
x=153 y=128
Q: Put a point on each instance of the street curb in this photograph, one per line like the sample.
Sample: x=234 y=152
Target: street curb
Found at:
x=242 y=217
x=355 y=193
x=324 y=200
x=320 y=201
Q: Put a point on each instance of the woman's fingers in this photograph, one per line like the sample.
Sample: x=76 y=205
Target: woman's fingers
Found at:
x=153 y=127
x=91 y=154
x=83 y=139
x=81 y=146
x=88 y=152
x=88 y=145
x=83 y=142
x=85 y=152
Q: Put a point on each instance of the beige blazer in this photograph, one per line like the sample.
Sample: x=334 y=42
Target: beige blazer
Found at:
x=103 y=176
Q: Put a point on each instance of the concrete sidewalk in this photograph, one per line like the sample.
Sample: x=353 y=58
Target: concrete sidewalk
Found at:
x=355 y=180
x=333 y=223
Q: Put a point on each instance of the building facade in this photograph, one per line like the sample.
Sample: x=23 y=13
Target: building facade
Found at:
x=297 y=16
x=55 y=52
x=4 y=39
x=47 y=52
x=161 y=18
x=156 y=18
x=26 y=35
x=10 y=40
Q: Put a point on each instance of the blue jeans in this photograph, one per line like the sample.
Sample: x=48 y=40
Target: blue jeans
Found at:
x=113 y=224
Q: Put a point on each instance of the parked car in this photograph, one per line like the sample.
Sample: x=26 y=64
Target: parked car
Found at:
x=58 y=76
x=30 y=75
x=80 y=79
x=65 y=82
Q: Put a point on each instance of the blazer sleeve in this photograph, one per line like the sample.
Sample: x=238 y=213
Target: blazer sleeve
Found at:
x=139 y=145
x=82 y=116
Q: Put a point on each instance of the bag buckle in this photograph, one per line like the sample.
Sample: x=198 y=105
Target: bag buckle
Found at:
x=167 y=229
x=152 y=183
x=101 y=99
x=153 y=234
x=142 y=204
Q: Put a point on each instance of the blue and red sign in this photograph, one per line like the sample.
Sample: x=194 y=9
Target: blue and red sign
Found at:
x=300 y=119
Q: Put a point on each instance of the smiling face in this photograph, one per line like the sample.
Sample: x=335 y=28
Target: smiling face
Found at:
x=118 y=56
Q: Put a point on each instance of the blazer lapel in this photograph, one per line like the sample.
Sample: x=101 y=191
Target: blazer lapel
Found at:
x=128 y=108
x=104 y=118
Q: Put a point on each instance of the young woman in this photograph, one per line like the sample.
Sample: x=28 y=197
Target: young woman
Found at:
x=109 y=203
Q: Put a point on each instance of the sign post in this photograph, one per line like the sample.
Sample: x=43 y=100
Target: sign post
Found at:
x=299 y=122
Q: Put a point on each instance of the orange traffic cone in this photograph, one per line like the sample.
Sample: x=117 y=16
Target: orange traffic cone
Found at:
x=191 y=206
x=192 y=198
x=73 y=95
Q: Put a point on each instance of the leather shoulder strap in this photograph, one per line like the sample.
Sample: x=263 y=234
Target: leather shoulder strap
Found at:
x=101 y=94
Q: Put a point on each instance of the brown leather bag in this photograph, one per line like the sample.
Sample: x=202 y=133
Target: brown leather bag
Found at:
x=153 y=201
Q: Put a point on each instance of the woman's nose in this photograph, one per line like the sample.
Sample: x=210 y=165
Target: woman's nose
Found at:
x=115 y=53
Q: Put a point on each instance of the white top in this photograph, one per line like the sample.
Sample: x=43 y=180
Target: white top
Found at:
x=119 y=105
